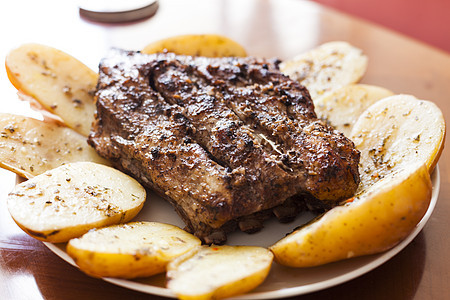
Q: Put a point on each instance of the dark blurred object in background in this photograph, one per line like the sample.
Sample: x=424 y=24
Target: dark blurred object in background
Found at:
x=427 y=21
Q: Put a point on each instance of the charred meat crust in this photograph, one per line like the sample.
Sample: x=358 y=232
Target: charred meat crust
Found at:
x=277 y=109
x=219 y=138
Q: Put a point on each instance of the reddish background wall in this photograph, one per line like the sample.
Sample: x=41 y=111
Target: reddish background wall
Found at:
x=425 y=20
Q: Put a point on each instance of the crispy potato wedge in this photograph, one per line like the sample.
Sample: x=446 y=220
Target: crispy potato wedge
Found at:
x=29 y=147
x=396 y=131
x=342 y=107
x=218 y=271
x=209 y=45
x=374 y=222
x=60 y=83
x=131 y=250
x=327 y=67
x=68 y=201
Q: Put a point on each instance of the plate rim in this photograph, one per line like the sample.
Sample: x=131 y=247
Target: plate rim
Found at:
x=376 y=260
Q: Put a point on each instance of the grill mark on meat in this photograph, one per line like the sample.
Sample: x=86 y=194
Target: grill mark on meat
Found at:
x=171 y=88
x=181 y=84
x=198 y=131
x=281 y=110
x=149 y=154
x=221 y=132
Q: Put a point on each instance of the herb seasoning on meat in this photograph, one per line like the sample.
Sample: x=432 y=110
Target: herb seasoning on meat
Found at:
x=254 y=140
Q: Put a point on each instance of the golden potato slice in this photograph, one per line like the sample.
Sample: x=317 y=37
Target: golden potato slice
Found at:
x=327 y=67
x=375 y=221
x=342 y=107
x=30 y=147
x=218 y=271
x=130 y=250
x=60 y=83
x=396 y=131
x=209 y=45
x=68 y=201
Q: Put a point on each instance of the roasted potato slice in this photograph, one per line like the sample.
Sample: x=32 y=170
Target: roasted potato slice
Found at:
x=342 y=107
x=218 y=271
x=60 y=83
x=395 y=135
x=327 y=67
x=209 y=45
x=130 y=250
x=373 y=222
x=30 y=147
x=68 y=201
x=395 y=131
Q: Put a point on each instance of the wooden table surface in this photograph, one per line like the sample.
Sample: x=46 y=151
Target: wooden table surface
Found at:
x=282 y=28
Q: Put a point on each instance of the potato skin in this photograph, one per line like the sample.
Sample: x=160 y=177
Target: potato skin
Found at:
x=372 y=223
x=218 y=272
x=113 y=265
x=209 y=45
x=132 y=250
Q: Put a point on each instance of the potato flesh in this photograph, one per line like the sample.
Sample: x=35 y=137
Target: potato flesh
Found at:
x=209 y=45
x=342 y=107
x=218 y=271
x=66 y=202
x=60 y=83
x=396 y=131
x=374 y=222
x=30 y=147
x=136 y=249
x=327 y=67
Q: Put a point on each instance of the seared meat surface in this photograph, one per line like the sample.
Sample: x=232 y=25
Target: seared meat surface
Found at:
x=224 y=139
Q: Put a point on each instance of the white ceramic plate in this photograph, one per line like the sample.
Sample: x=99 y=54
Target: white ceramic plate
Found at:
x=282 y=281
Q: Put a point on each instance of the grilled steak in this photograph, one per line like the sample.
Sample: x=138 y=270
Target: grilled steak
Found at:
x=222 y=139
